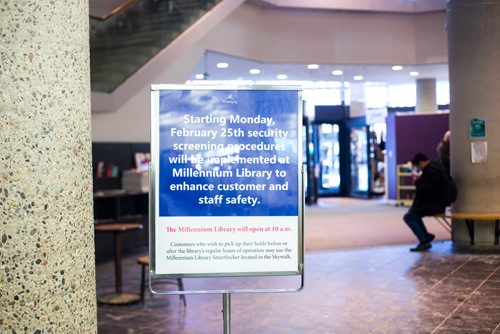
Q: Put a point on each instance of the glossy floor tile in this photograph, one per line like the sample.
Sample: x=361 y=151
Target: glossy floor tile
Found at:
x=384 y=289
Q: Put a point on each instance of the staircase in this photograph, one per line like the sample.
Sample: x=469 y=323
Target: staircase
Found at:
x=121 y=44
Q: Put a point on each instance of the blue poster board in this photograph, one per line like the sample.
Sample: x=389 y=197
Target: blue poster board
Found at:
x=228 y=153
x=226 y=181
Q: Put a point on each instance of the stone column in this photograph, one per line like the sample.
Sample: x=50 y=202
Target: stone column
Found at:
x=474 y=57
x=357 y=107
x=426 y=95
x=47 y=271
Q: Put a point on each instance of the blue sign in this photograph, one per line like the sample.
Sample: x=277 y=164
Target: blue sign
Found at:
x=228 y=152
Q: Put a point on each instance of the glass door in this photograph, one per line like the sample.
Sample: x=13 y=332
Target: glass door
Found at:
x=359 y=161
x=377 y=158
x=328 y=158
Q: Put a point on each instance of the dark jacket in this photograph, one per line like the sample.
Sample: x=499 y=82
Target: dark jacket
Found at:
x=426 y=201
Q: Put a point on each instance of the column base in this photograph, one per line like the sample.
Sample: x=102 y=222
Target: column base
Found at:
x=120 y=299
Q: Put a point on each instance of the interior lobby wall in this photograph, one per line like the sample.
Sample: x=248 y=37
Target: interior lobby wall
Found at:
x=284 y=35
x=431 y=44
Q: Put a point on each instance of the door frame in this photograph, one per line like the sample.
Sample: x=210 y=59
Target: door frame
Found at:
x=358 y=122
x=341 y=190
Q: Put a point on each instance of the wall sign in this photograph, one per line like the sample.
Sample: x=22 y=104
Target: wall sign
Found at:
x=477 y=128
x=479 y=152
x=226 y=177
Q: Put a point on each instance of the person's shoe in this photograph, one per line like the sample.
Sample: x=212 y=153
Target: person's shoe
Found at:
x=430 y=237
x=421 y=247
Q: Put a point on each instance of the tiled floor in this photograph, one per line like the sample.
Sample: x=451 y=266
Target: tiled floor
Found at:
x=384 y=289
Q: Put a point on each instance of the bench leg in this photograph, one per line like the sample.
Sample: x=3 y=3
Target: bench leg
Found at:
x=444 y=223
x=143 y=282
x=497 y=231
x=470 y=227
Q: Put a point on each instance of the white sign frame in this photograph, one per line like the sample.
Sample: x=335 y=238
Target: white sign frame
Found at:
x=288 y=269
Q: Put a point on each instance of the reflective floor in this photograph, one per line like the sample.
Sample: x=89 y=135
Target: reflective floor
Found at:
x=384 y=289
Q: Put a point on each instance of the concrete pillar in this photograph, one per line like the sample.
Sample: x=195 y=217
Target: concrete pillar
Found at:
x=357 y=107
x=426 y=95
x=474 y=54
x=47 y=268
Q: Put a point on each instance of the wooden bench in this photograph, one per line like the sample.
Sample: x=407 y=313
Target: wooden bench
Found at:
x=470 y=218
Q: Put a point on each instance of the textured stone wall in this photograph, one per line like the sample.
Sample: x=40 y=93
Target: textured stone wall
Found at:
x=47 y=268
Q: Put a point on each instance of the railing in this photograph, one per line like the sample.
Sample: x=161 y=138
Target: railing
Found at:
x=111 y=10
x=124 y=39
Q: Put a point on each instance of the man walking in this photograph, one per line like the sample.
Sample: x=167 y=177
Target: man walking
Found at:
x=427 y=201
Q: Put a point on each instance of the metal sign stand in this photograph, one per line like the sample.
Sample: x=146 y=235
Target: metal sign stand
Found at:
x=226 y=293
x=226 y=312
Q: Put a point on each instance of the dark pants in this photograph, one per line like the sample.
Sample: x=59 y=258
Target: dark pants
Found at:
x=416 y=224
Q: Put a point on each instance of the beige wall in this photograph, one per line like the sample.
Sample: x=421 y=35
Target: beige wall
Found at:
x=283 y=35
x=431 y=41
x=339 y=37
x=280 y=35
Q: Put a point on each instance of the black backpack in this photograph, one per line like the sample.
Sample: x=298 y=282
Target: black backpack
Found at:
x=448 y=189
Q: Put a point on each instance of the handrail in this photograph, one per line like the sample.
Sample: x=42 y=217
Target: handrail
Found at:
x=136 y=31
x=114 y=11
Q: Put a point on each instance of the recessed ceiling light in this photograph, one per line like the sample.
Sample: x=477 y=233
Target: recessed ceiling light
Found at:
x=358 y=77
x=199 y=76
x=397 y=68
x=337 y=72
x=282 y=77
x=414 y=74
x=254 y=71
x=222 y=65
x=313 y=66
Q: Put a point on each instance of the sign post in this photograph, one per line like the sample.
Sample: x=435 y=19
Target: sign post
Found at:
x=226 y=311
x=226 y=185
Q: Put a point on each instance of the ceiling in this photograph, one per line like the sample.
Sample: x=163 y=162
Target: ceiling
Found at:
x=238 y=68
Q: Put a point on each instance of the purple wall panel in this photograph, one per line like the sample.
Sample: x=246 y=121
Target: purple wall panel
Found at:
x=390 y=147
x=419 y=133
x=408 y=134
